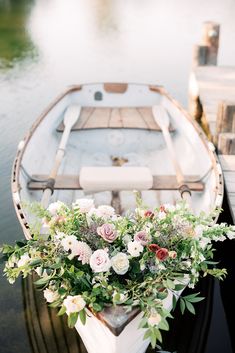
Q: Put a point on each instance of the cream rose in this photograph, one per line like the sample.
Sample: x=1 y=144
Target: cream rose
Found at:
x=99 y=261
x=84 y=205
x=50 y=295
x=120 y=263
x=74 y=304
x=106 y=211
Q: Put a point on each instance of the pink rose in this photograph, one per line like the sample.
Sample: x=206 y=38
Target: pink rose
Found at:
x=142 y=237
x=107 y=232
x=99 y=261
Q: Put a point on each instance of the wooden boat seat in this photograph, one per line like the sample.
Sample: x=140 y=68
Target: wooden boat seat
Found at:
x=105 y=117
x=91 y=178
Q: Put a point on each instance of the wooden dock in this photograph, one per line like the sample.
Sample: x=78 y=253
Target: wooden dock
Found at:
x=212 y=100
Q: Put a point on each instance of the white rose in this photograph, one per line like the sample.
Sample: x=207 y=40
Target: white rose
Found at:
x=54 y=207
x=24 y=260
x=84 y=205
x=50 y=295
x=134 y=248
x=154 y=319
x=106 y=211
x=99 y=261
x=74 y=304
x=120 y=263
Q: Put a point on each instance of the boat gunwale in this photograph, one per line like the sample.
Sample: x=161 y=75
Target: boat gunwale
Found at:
x=15 y=186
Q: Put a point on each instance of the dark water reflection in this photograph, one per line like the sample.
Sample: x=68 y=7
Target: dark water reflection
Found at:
x=46 y=45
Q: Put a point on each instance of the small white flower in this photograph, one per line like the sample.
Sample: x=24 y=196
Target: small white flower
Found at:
x=55 y=207
x=106 y=211
x=134 y=248
x=198 y=231
x=231 y=235
x=120 y=263
x=41 y=272
x=203 y=242
x=93 y=212
x=161 y=215
x=126 y=239
x=142 y=267
x=74 y=304
x=24 y=260
x=69 y=242
x=99 y=261
x=84 y=205
x=154 y=319
x=50 y=295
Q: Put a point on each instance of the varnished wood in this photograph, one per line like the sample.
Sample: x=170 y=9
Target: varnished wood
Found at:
x=160 y=182
x=115 y=87
x=105 y=117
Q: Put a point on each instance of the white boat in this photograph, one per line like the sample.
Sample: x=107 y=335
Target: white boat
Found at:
x=114 y=147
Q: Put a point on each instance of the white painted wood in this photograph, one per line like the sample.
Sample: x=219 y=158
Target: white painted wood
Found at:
x=137 y=147
x=98 y=338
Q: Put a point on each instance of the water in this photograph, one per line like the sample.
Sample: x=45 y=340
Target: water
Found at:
x=46 y=45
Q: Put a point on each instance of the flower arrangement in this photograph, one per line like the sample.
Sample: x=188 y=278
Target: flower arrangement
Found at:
x=88 y=257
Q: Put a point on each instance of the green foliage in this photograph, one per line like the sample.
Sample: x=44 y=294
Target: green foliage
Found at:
x=176 y=249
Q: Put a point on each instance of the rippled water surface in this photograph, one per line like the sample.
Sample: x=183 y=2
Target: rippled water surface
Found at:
x=46 y=45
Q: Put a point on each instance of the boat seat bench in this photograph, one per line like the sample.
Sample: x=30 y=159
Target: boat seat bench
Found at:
x=113 y=118
x=115 y=179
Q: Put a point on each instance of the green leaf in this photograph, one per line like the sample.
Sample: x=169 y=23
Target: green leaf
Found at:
x=42 y=281
x=170 y=284
x=35 y=262
x=158 y=335
x=97 y=307
x=196 y=300
x=62 y=311
x=82 y=315
x=182 y=305
x=190 y=307
x=153 y=340
x=179 y=287
x=72 y=319
x=174 y=302
x=147 y=334
x=163 y=325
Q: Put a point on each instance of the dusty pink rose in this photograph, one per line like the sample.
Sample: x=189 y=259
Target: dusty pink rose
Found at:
x=162 y=254
x=107 y=232
x=142 y=237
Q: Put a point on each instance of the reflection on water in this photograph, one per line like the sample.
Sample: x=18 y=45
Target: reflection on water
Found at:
x=15 y=43
x=46 y=45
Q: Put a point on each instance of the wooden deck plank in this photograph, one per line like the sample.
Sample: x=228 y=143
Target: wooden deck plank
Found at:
x=215 y=84
x=147 y=116
x=84 y=116
x=115 y=119
x=132 y=119
x=71 y=182
x=99 y=118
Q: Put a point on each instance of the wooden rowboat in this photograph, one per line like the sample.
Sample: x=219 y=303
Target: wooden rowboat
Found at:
x=116 y=146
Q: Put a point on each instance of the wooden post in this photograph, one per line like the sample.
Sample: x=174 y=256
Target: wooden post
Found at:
x=206 y=53
x=225 y=122
x=226 y=143
x=210 y=39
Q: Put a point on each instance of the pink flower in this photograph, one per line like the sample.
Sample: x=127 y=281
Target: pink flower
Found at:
x=149 y=214
x=142 y=237
x=107 y=232
x=99 y=261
